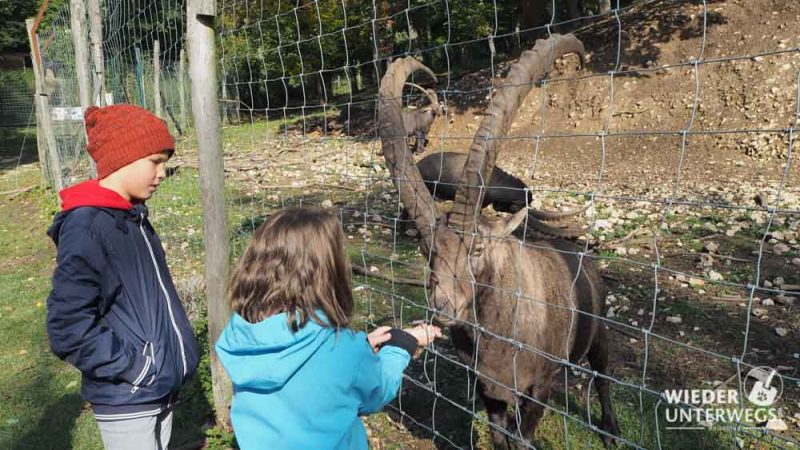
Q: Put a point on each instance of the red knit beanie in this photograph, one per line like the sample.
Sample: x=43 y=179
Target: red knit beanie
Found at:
x=121 y=134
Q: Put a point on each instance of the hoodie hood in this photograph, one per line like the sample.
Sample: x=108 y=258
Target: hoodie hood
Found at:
x=90 y=193
x=266 y=354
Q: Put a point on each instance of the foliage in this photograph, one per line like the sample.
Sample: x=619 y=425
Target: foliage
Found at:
x=13 y=36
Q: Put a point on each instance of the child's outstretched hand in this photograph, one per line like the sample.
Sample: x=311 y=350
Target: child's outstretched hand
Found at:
x=425 y=334
x=378 y=336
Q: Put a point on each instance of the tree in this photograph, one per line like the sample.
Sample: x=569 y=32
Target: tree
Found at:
x=13 y=36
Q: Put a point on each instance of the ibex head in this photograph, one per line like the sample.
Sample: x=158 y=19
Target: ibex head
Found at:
x=467 y=250
x=433 y=100
x=462 y=264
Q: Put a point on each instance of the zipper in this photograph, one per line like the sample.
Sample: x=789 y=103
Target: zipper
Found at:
x=147 y=363
x=166 y=295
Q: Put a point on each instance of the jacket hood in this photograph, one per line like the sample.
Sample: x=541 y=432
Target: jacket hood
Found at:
x=266 y=354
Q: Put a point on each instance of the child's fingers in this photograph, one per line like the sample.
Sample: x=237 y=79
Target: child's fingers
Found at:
x=378 y=336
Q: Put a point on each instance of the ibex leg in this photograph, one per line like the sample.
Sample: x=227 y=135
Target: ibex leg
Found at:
x=598 y=359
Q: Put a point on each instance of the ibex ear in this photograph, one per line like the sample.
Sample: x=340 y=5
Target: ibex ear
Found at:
x=513 y=222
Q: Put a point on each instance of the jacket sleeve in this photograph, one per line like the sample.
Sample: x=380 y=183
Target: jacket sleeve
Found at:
x=379 y=376
x=74 y=327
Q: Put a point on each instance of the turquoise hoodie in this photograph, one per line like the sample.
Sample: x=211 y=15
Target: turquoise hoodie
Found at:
x=305 y=390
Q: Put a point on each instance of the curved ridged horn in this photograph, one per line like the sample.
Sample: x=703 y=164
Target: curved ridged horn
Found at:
x=405 y=174
x=540 y=227
x=531 y=67
x=556 y=215
x=433 y=99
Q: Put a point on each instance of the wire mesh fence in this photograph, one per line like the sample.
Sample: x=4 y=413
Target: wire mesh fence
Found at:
x=17 y=127
x=61 y=87
x=674 y=142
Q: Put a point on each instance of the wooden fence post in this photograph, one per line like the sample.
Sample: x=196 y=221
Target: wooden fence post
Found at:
x=182 y=89
x=48 y=148
x=96 y=38
x=205 y=110
x=157 y=78
x=77 y=15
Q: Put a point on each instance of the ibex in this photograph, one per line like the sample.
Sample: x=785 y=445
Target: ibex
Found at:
x=441 y=172
x=502 y=298
x=417 y=122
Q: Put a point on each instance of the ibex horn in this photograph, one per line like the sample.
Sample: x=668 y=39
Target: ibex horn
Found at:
x=543 y=228
x=430 y=93
x=557 y=215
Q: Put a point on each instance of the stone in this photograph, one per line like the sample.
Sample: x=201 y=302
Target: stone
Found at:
x=674 y=319
x=695 y=282
x=780 y=249
x=776 y=425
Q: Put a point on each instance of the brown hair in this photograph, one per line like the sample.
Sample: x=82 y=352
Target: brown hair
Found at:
x=295 y=263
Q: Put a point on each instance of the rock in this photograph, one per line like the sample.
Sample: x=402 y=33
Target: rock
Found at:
x=776 y=425
x=780 y=331
x=610 y=312
x=778 y=281
x=768 y=302
x=674 y=319
x=411 y=232
x=780 y=249
x=695 y=282
x=373 y=269
x=715 y=276
x=759 y=312
x=785 y=300
x=796 y=261
x=711 y=247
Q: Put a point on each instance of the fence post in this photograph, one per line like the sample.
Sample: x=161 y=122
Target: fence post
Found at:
x=48 y=149
x=77 y=13
x=140 y=77
x=96 y=38
x=157 y=77
x=225 y=119
x=182 y=89
x=205 y=110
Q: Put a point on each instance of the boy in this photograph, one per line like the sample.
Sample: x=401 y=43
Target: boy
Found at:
x=113 y=312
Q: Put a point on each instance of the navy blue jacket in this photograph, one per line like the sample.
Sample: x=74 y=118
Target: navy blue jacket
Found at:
x=114 y=312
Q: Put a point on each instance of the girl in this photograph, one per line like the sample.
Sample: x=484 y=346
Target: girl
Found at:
x=301 y=377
